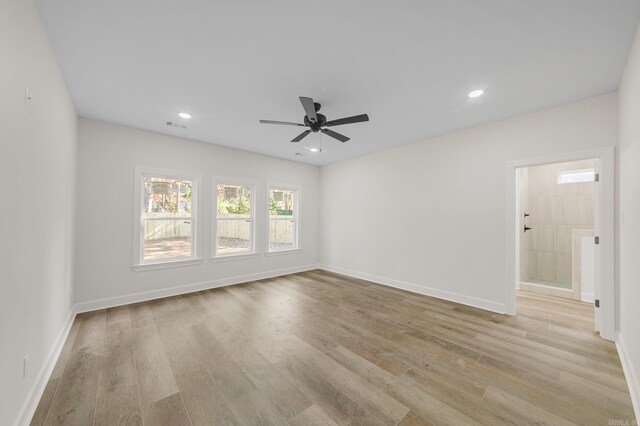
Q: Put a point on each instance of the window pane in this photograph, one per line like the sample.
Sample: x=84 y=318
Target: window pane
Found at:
x=166 y=197
x=280 y=203
x=281 y=234
x=234 y=237
x=234 y=201
x=577 y=176
x=165 y=238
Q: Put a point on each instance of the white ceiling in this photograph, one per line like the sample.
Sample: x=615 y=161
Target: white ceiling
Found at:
x=408 y=64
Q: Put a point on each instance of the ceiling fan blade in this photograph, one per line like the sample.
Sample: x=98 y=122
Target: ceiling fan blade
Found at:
x=348 y=120
x=301 y=136
x=336 y=135
x=309 y=109
x=287 y=123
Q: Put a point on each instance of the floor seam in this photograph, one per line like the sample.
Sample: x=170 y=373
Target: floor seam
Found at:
x=135 y=367
x=104 y=337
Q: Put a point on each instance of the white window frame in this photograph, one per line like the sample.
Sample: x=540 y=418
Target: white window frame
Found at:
x=139 y=263
x=215 y=257
x=296 y=218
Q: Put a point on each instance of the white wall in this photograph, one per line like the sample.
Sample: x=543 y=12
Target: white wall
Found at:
x=37 y=169
x=629 y=229
x=107 y=155
x=447 y=195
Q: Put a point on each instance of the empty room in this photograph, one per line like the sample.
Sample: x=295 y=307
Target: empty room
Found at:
x=303 y=213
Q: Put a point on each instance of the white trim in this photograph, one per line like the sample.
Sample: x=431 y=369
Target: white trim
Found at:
x=189 y=288
x=252 y=185
x=138 y=229
x=629 y=374
x=282 y=251
x=605 y=251
x=603 y=227
x=421 y=289
x=33 y=398
x=173 y=263
x=232 y=257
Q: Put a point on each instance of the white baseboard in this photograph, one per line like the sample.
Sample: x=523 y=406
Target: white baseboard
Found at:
x=629 y=374
x=476 y=302
x=111 y=302
x=587 y=297
x=31 y=403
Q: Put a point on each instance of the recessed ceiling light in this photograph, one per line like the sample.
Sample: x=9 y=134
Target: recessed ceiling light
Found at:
x=314 y=149
x=476 y=93
x=184 y=115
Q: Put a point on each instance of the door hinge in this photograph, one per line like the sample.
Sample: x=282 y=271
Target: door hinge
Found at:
x=597 y=240
x=596 y=177
x=597 y=303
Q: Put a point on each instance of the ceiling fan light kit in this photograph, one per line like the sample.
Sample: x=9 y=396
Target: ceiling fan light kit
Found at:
x=317 y=122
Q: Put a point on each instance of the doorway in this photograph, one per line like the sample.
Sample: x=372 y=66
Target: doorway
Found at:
x=567 y=248
x=557 y=240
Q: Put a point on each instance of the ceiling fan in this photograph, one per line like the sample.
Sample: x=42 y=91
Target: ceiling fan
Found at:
x=317 y=122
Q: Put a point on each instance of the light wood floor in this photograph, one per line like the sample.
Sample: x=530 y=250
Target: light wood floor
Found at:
x=320 y=348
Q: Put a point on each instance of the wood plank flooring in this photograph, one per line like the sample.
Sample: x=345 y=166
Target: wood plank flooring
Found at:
x=318 y=348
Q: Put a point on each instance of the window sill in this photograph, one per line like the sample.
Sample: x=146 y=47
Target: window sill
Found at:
x=166 y=265
x=232 y=257
x=281 y=252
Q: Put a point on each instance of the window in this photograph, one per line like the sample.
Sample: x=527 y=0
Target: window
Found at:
x=576 y=176
x=283 y=219
x=166 y=217
x=235 y=230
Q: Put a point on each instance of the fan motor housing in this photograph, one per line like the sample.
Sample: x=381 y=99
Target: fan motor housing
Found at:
x=315 y=127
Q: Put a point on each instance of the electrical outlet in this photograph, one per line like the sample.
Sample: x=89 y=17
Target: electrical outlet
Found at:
x=25 y=366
